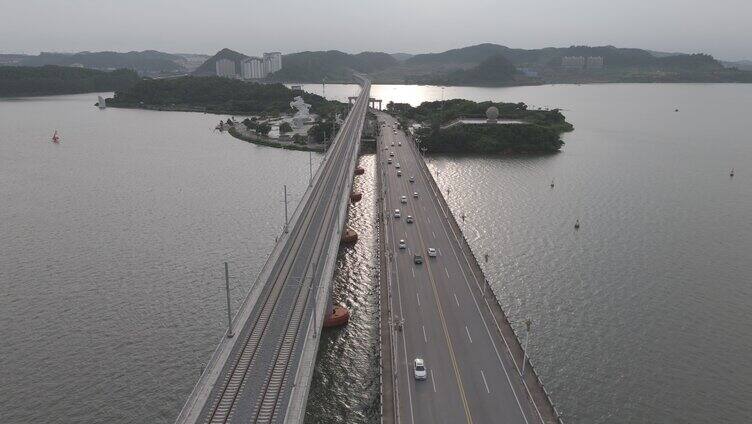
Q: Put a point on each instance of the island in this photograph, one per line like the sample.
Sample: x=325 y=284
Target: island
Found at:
x=271 y=114
x=50 y=80
x=464 y=126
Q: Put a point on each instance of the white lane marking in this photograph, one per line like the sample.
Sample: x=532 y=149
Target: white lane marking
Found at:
x=468 y=334
x=433 y=381
x=425 y=339
x=417 y=296
x=436 y=203
x=434 y=234
x=413 y=271
x=427 y=217
x=456 y=300
x=484 y=381
x=447 y=272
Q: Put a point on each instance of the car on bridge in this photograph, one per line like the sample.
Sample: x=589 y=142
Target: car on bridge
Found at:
x=418 y=259
x=397 y=165
x=391 y=154
x=389 y=161
x=399 y=173
x=415 y=195
x=409 y=219
x=432 y=252
x=419 y=369
x=403 y=199
x=402 y=244
x=397 y=213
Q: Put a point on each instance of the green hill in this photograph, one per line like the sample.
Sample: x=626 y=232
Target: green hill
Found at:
x=145 y=62
x=331 y=65
x=50 y=80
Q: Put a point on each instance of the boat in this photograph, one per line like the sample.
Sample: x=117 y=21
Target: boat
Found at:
x=552 y=183
x=349 y=236
x=338 y=316
x=55 y=138
x=577 y=224
x=101 y=102
x=731 y=174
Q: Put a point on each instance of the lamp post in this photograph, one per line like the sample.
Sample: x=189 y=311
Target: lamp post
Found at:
x=524 y=353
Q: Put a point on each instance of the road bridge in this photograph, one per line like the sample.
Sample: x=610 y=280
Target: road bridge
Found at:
x=442 y=310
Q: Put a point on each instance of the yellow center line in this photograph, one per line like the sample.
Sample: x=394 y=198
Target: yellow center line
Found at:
x=443 y=321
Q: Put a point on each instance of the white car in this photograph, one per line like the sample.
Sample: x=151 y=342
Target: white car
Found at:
x=409 y=219
x=399 y=173
x=415 y=195
x=392 y=143
x=403 y=199
x=397 y=213
x=412 y=179
x=402 y=244
x=399 y=143
x=419 y=369
x=391 y=154
x=432 y=252
x=397 y=165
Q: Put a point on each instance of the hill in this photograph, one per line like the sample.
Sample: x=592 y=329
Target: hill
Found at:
x=208 y=68
x=331 y=65
x=50 y=80
x=494 y=71
x=148 y=62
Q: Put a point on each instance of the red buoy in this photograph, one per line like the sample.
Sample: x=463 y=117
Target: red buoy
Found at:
x=339 y=315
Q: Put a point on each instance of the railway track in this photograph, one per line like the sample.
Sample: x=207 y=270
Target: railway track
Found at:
x=225 y=400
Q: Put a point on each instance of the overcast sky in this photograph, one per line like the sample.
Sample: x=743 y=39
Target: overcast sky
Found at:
x=722 y=28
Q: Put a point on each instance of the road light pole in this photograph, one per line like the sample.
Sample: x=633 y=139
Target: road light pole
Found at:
x=230 y=334
x=285 y=194
x=524 y=353
x=310 y=168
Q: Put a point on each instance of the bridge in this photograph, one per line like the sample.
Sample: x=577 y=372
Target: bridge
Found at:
x=261 y=371
x=442 y=309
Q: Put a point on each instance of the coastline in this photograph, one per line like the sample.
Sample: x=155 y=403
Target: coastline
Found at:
x=269 y=142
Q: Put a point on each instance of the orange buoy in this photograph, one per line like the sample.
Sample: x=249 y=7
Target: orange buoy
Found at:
x=356 y=196
x=349 y=236
x=359 y=171
x=339 y=315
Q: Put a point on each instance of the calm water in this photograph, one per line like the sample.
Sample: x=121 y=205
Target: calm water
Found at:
x=112 y=245
x=111 y=284
x=644 y=314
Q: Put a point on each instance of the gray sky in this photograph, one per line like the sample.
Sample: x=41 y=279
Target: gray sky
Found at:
x=722 y=28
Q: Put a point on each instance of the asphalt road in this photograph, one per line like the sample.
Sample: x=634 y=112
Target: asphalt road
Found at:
x=254 y=382
x=470 y=375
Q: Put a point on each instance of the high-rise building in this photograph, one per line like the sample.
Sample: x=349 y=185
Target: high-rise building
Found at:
x=272 y=62
x=226 y=68
x=252 y=68
x=573 y=62
x=595 y=62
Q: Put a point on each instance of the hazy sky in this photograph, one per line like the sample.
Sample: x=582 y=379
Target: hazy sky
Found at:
x=722 y=28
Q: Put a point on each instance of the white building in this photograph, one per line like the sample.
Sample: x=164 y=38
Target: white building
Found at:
x=595 y=62
x=226 y=68
x=573 y=62
x=252 y=68
x=272 y=62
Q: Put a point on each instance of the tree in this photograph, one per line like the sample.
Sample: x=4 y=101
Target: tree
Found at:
x=285 y=127
x=263 y=129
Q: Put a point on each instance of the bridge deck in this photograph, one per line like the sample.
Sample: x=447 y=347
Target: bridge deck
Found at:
x=451 y=318
x=250 y=377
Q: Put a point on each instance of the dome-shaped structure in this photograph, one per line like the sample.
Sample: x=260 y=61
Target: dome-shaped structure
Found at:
x=492 y=113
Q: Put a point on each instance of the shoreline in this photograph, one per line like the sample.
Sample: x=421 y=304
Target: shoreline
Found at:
x=269 y=142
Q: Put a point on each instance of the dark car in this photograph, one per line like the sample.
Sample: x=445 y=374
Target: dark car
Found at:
x=418 y=259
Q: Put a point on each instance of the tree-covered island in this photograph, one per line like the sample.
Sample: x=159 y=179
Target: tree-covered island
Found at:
x=461 y=126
